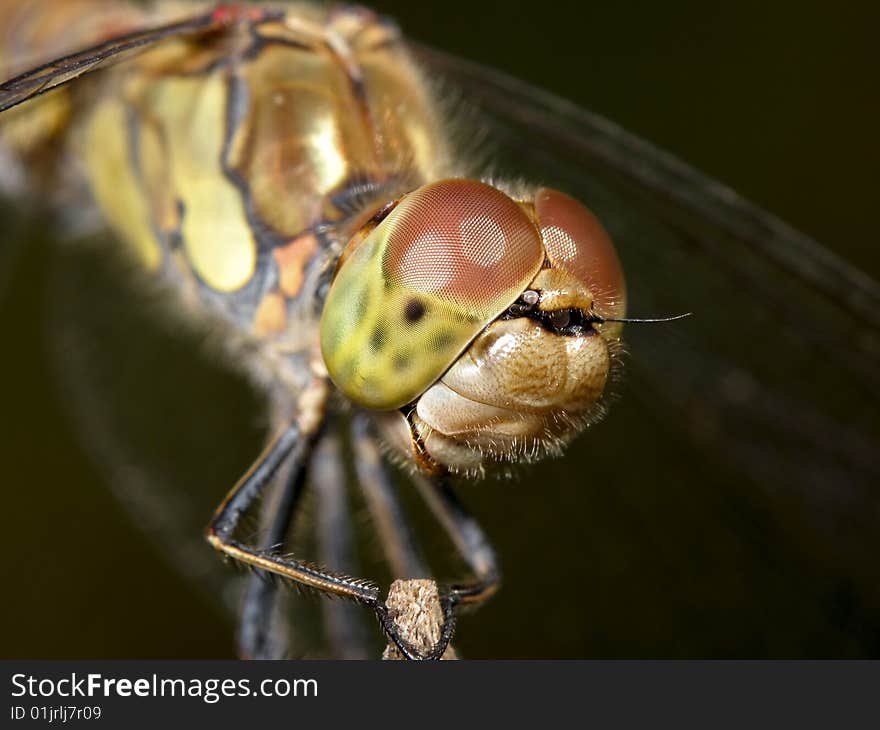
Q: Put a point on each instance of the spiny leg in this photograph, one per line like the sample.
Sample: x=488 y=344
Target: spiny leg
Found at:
x=400 y=547
x=398 y=543
x=293 y=444
x=262 y=632
x=262 y=629
x=474 y=547
x=468 y=537
x=335 y=545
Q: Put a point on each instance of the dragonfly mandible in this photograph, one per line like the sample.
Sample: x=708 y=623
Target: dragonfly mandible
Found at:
x=498 y=96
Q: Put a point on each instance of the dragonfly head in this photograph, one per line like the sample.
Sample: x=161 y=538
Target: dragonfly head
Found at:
x=474 y=322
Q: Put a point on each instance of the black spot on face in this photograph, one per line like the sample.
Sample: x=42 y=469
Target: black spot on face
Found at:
x=414 y=310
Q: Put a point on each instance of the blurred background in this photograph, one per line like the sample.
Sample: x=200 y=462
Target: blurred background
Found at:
x=777 y=100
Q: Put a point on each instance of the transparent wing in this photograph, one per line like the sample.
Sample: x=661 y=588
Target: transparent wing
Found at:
x=147 y=403
x=737 y=476
x=779 y=367
x=169 y=419
x=167 y=422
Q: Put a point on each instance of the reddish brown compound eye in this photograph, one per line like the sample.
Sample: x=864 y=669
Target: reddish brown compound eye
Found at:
x=577 y=242
x=465 y=243
x=451 y=257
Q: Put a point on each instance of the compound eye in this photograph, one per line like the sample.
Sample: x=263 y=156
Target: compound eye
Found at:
x=464 y=243
x=577 y=242
x=450 y=258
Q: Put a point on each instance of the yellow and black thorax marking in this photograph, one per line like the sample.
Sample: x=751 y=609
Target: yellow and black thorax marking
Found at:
x=229 y=160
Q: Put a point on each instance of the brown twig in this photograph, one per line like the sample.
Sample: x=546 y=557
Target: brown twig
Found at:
x=414 y=606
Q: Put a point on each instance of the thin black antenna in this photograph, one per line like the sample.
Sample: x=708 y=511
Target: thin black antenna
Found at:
x=637 y=320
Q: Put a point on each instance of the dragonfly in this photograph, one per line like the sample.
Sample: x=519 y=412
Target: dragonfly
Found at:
x=682 y=239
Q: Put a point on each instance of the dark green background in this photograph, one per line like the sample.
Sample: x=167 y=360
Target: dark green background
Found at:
x=776 y=99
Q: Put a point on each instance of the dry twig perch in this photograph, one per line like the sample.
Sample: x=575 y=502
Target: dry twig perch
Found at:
x=414 y=606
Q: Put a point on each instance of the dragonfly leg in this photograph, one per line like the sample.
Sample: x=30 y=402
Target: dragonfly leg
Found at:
x=398 y=542
x=262 y=629
x=402 y=550
x=294 y=446
x=469 y=539
x=335 y=545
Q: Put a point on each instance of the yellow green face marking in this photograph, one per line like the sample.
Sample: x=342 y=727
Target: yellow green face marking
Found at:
x=450 y=258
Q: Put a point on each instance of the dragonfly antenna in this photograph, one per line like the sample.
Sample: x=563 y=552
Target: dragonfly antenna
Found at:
x=638 y=320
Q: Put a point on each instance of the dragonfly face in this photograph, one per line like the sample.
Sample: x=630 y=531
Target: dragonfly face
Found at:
x=473 y=314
